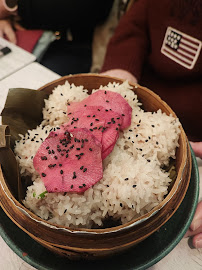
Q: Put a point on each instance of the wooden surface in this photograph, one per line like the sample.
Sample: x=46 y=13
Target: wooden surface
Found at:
x=181 y=257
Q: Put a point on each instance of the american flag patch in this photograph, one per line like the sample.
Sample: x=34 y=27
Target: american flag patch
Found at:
x=181 y=48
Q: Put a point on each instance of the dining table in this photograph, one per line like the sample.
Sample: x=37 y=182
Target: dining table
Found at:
x=181 y=256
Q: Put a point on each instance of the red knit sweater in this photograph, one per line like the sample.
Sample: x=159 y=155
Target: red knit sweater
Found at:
x=163 y=51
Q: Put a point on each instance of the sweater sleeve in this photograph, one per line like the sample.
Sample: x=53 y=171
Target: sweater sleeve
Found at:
x=129 y=45
x=62 y=14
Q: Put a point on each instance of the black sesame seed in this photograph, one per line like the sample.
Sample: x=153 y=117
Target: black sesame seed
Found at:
x=121 y=204
x=90 y=149
x=60 y=165
x=134 y=186
x=61 y=171
x=153 y=125
x=72 y=186
x=81 y=168
x=43 y=174
x=85 y=170
x=126 y=179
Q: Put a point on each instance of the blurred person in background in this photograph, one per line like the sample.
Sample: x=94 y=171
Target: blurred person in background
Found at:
x=158 y=45
x=66 y=44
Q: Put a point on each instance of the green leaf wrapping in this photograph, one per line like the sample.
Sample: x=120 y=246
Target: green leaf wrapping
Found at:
x=23 y=111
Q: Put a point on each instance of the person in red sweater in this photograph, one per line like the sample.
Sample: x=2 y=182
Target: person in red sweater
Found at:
x=158 y=44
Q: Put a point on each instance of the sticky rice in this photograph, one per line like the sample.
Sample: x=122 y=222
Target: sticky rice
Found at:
x=133 y=179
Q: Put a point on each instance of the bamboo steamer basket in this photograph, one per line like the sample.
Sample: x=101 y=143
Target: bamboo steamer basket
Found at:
x=96 y=243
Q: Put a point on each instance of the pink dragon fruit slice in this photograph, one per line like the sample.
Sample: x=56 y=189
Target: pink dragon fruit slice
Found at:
x=103 y=123
x=89 y=118
x=109 y=100
x=69 y=161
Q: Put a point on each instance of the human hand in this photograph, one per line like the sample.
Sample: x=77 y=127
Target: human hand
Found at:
x=197 y=148
x=7 y=31
x=120 y=73
x=3 y=12
x=195 y=229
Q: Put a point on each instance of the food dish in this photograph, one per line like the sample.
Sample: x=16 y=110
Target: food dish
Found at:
x=125 y=185
x=90 y=243
x=175 y=229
